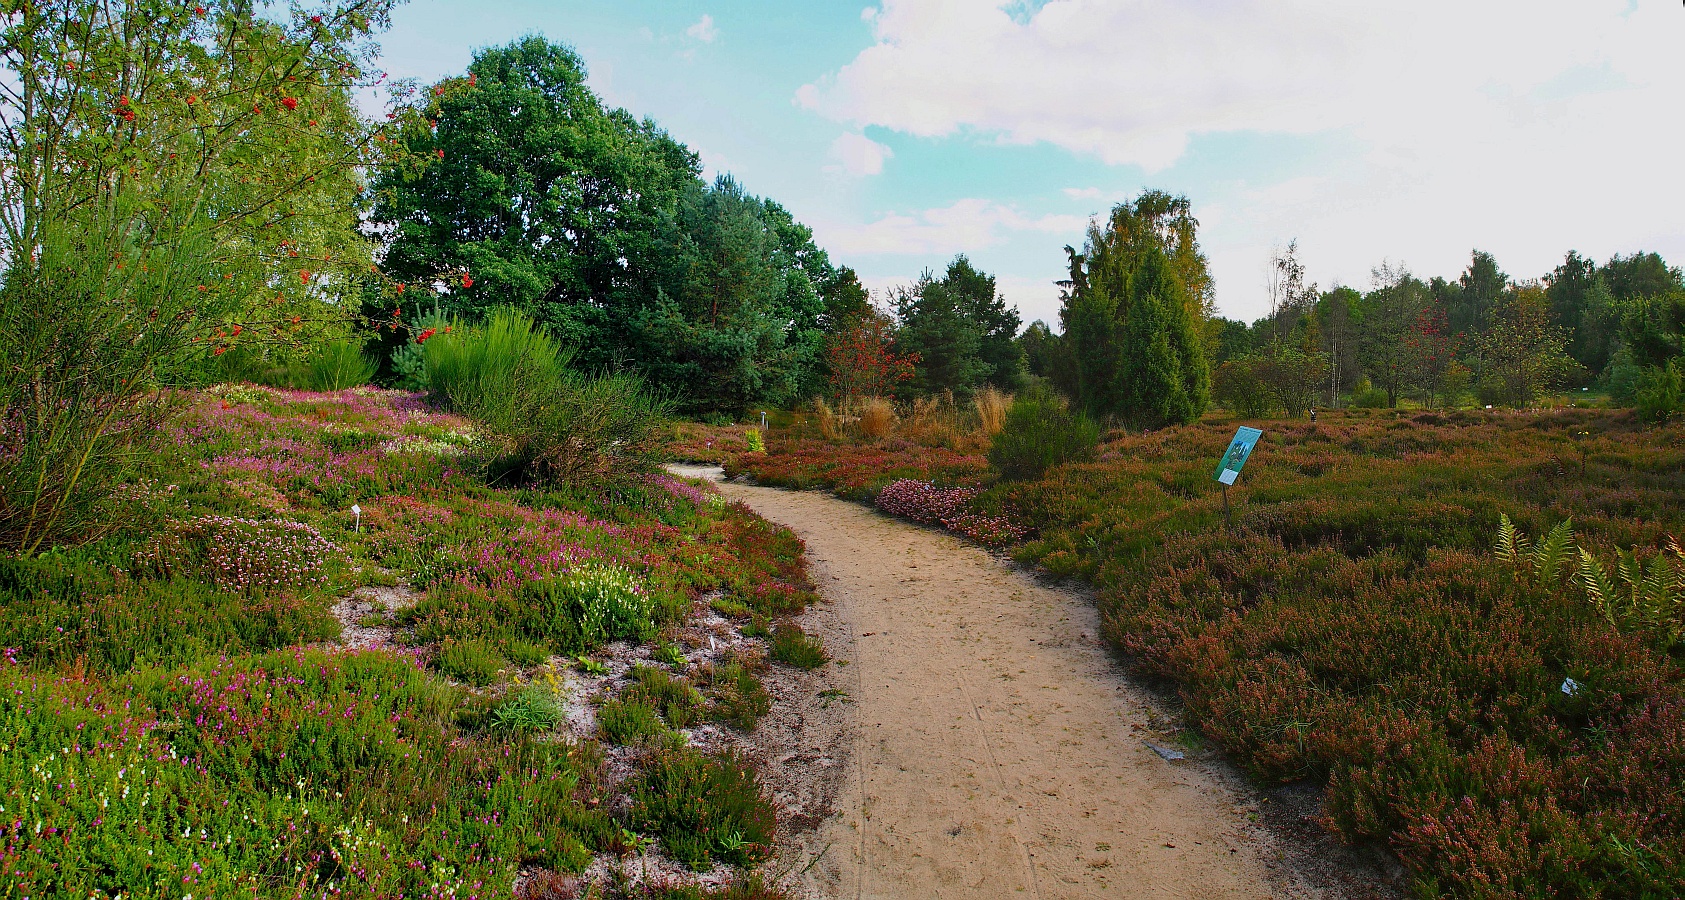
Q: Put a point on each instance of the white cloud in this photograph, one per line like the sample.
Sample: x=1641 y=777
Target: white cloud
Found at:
x=965 y=226
x=857 y=154
x=704 y=30
x=1523 y=130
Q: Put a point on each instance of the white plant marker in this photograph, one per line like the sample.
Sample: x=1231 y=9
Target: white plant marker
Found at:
x=763 y=420
x=357 y=512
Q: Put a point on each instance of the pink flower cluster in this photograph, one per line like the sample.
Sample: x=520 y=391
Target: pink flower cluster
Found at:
x=923 y=501
x=238 y=554
x=680 y=489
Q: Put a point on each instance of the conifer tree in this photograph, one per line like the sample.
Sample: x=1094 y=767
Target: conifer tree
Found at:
x=1133 y=314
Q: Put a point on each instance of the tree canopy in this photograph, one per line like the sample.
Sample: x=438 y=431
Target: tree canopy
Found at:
x=538 y=197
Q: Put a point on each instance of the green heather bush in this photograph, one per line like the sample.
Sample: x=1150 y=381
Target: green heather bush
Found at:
x=678 y=703
x=628 y=721
x=1041 y=432
x=793 y=647
x=73 y=606
x=335 y=366
x=525 y=653
x=474 y=662
x=304 y=757
x=735 y=696
x=702 y=808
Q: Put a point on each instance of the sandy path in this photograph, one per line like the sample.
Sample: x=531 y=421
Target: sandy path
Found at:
x=997 y=753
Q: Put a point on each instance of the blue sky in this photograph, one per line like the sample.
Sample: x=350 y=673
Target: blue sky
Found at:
x=907 y=131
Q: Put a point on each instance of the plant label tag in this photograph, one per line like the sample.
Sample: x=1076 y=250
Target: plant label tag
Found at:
x=1235 y=457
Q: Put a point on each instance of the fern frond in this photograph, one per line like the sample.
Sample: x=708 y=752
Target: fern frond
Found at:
x=1599 y=587
x=1511 y=542
x=1631 y=571
x=1551 y=552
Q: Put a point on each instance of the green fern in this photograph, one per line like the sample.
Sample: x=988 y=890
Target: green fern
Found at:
x=1511 y=542
x=1598 y=585
x=1634 y=596
x=1552 y=552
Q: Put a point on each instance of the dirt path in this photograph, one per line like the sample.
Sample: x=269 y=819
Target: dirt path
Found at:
x=996 y=752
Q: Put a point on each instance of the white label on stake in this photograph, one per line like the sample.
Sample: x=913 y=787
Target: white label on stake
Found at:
x=1228 y=476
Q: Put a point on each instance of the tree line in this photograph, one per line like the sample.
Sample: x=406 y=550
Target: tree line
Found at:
x=1140 y=344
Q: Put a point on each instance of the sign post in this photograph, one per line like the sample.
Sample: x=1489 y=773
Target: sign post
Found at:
x=1233 y=460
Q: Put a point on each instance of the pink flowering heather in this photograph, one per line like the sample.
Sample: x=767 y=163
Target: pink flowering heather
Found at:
x=681 y=489
x=924 y=502
x=244 y=555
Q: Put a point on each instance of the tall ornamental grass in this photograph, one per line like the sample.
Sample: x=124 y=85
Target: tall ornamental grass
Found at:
x=540 y=420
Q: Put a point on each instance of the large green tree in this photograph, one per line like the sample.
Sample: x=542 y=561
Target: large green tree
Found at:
x=962 y=331
x=736 y=317
x=551 y=203
x=1133 y=315
x=1389 y=312
x=538 y=197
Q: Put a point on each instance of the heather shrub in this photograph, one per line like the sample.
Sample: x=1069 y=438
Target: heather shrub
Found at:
x=243 y=555
x=702 y=808
x=794 y=647
x=679 y=704
x=735 y=696
x=923 y=501
x=621 y=721
x=474 y=662
x=951 y=508
x=299 y=756
x=69 y=607
x=1041 y=432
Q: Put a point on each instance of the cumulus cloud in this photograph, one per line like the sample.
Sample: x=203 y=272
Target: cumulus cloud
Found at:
x=1131 y=81
x=964 y=226
x=857 y=154
x=704 y=30
x=1524 y=129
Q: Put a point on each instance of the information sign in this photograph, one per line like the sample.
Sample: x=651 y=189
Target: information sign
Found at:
x=1239 y=449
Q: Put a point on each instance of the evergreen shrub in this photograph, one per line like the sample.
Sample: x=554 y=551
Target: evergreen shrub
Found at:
x=1041 y=432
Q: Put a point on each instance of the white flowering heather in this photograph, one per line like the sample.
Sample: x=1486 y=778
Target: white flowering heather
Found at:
x=242 y=555
x=417 y=444
x=613 y=605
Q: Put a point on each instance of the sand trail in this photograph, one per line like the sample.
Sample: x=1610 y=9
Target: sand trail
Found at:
x=996 y=750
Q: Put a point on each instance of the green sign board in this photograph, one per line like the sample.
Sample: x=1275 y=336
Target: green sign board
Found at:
x=1239 y=449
